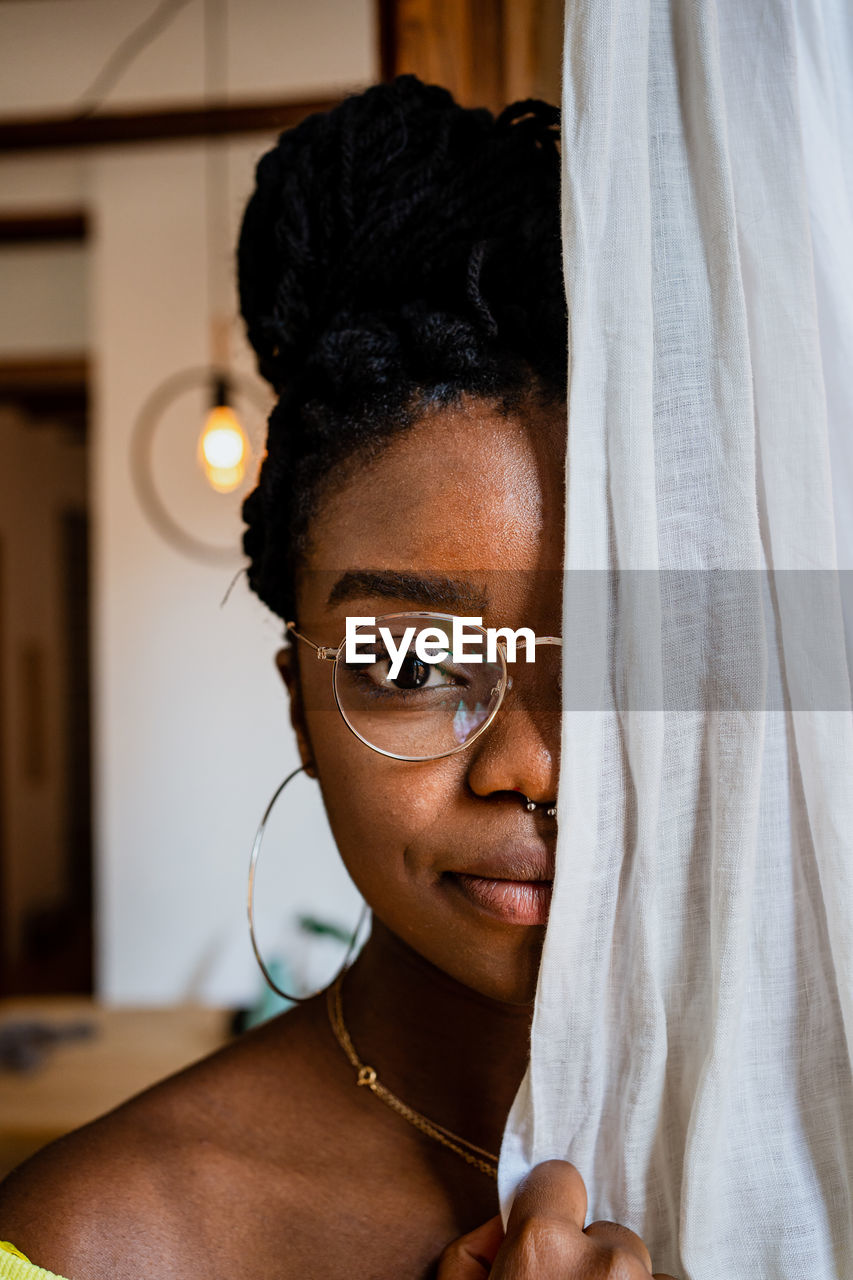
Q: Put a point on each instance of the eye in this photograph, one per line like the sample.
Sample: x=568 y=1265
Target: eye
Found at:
x=414 y=674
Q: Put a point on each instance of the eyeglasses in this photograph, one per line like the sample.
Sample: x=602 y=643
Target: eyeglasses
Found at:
x=428 y=710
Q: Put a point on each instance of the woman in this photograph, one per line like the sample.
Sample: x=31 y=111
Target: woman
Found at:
x=400 y=280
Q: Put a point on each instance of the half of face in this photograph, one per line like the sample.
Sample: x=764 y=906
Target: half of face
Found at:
x=461 y=515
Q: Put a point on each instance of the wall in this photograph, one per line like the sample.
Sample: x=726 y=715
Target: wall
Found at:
x=44 y=290
x=190 y=720
x=51 y=51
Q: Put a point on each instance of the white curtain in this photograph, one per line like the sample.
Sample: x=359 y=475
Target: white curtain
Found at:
x=692 y=1039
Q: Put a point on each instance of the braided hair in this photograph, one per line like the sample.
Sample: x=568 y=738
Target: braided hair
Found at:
x=398 y=252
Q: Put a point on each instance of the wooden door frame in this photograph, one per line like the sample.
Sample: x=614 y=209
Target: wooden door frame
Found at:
x=486 y=52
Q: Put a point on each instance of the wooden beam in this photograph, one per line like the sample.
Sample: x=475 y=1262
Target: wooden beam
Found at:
x=52 y=133
x=388 y=43
x=37 y=227
x=48 y=390
x=56 y=371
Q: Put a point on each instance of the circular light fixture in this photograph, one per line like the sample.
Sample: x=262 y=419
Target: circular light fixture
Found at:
x=199 y=438
x=195 y=451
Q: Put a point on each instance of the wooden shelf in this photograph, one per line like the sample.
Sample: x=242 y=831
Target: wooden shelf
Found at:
x=129 y=1050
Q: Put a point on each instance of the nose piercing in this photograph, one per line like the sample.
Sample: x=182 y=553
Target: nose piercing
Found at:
x=531 y=806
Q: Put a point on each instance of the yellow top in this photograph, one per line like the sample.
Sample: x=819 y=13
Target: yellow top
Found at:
x=14 y=1266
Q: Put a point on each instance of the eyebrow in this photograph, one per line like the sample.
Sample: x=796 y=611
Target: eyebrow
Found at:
x=411 y=587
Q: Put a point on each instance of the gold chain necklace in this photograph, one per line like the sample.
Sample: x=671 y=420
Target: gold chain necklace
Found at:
x=474 y=1155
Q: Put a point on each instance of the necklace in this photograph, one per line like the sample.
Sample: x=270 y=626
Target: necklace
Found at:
x=366 y=1076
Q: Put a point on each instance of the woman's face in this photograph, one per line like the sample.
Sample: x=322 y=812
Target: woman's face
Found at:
x=470 y=502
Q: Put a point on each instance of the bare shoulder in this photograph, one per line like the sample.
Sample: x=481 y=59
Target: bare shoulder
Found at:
x=74 y=1206
x=171 y=1182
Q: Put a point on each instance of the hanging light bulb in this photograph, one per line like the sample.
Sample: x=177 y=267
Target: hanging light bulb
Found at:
x=223 y=447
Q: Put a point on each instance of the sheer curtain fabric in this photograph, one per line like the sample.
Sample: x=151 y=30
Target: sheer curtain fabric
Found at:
x=691 y=1047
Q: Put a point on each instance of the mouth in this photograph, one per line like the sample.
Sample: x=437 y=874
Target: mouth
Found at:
x=510 y=884
x=524 y=902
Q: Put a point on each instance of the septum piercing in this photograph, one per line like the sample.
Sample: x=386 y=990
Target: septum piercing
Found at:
x=531 y=806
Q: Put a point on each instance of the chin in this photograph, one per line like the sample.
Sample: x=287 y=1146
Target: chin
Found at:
x=506 y=973
x=477 y=948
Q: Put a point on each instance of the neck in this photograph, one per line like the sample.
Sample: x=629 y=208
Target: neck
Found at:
x=449 y=1052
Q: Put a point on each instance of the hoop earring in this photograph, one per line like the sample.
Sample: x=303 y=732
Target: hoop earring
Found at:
x=253 y=863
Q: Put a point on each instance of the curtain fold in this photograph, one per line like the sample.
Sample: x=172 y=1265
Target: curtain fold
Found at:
x=691 y=1043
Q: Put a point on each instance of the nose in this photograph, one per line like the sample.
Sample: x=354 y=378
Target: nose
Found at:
x=520 y=751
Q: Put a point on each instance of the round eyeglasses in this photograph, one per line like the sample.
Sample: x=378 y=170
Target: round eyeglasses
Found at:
x=425 y=710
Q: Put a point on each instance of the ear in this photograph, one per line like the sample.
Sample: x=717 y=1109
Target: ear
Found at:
x=287 y=665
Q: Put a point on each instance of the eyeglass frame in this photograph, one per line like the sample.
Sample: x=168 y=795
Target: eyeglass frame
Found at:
x=328 y=653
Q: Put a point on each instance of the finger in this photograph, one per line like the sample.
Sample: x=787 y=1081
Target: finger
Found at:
x=545 y=1226
x=619 y=1237
x=471 y=1256
x=553 y=1189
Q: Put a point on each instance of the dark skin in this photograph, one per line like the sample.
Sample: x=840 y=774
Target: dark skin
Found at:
x=266 y=1159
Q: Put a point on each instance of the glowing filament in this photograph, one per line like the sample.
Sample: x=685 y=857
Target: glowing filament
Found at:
x=223 y=449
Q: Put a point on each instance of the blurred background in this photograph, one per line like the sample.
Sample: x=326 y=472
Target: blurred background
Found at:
x=143 y=726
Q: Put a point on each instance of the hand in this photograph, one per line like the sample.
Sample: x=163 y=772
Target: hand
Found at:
x=545 y=1239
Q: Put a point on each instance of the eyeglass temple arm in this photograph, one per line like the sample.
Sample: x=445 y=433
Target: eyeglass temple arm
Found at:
x=542 y=640
x=321 y=651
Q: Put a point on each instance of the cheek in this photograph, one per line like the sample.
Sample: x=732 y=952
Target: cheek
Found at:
x=394 y=824
x=381 y=811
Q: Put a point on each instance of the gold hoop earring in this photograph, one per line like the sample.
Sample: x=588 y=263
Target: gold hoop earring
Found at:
x=253 y=863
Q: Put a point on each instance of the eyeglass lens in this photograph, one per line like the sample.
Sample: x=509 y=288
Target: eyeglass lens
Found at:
x=424 y=709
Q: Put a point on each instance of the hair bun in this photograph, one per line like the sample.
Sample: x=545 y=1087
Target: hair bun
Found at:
x=369 y=206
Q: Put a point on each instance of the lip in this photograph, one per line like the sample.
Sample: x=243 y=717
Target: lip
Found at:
x=508 y=880
x=505 y=859
x=522 y=902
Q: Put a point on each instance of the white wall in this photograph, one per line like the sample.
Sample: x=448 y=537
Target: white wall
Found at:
x=190 y=720
x=51 y=51
x=44 y=292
